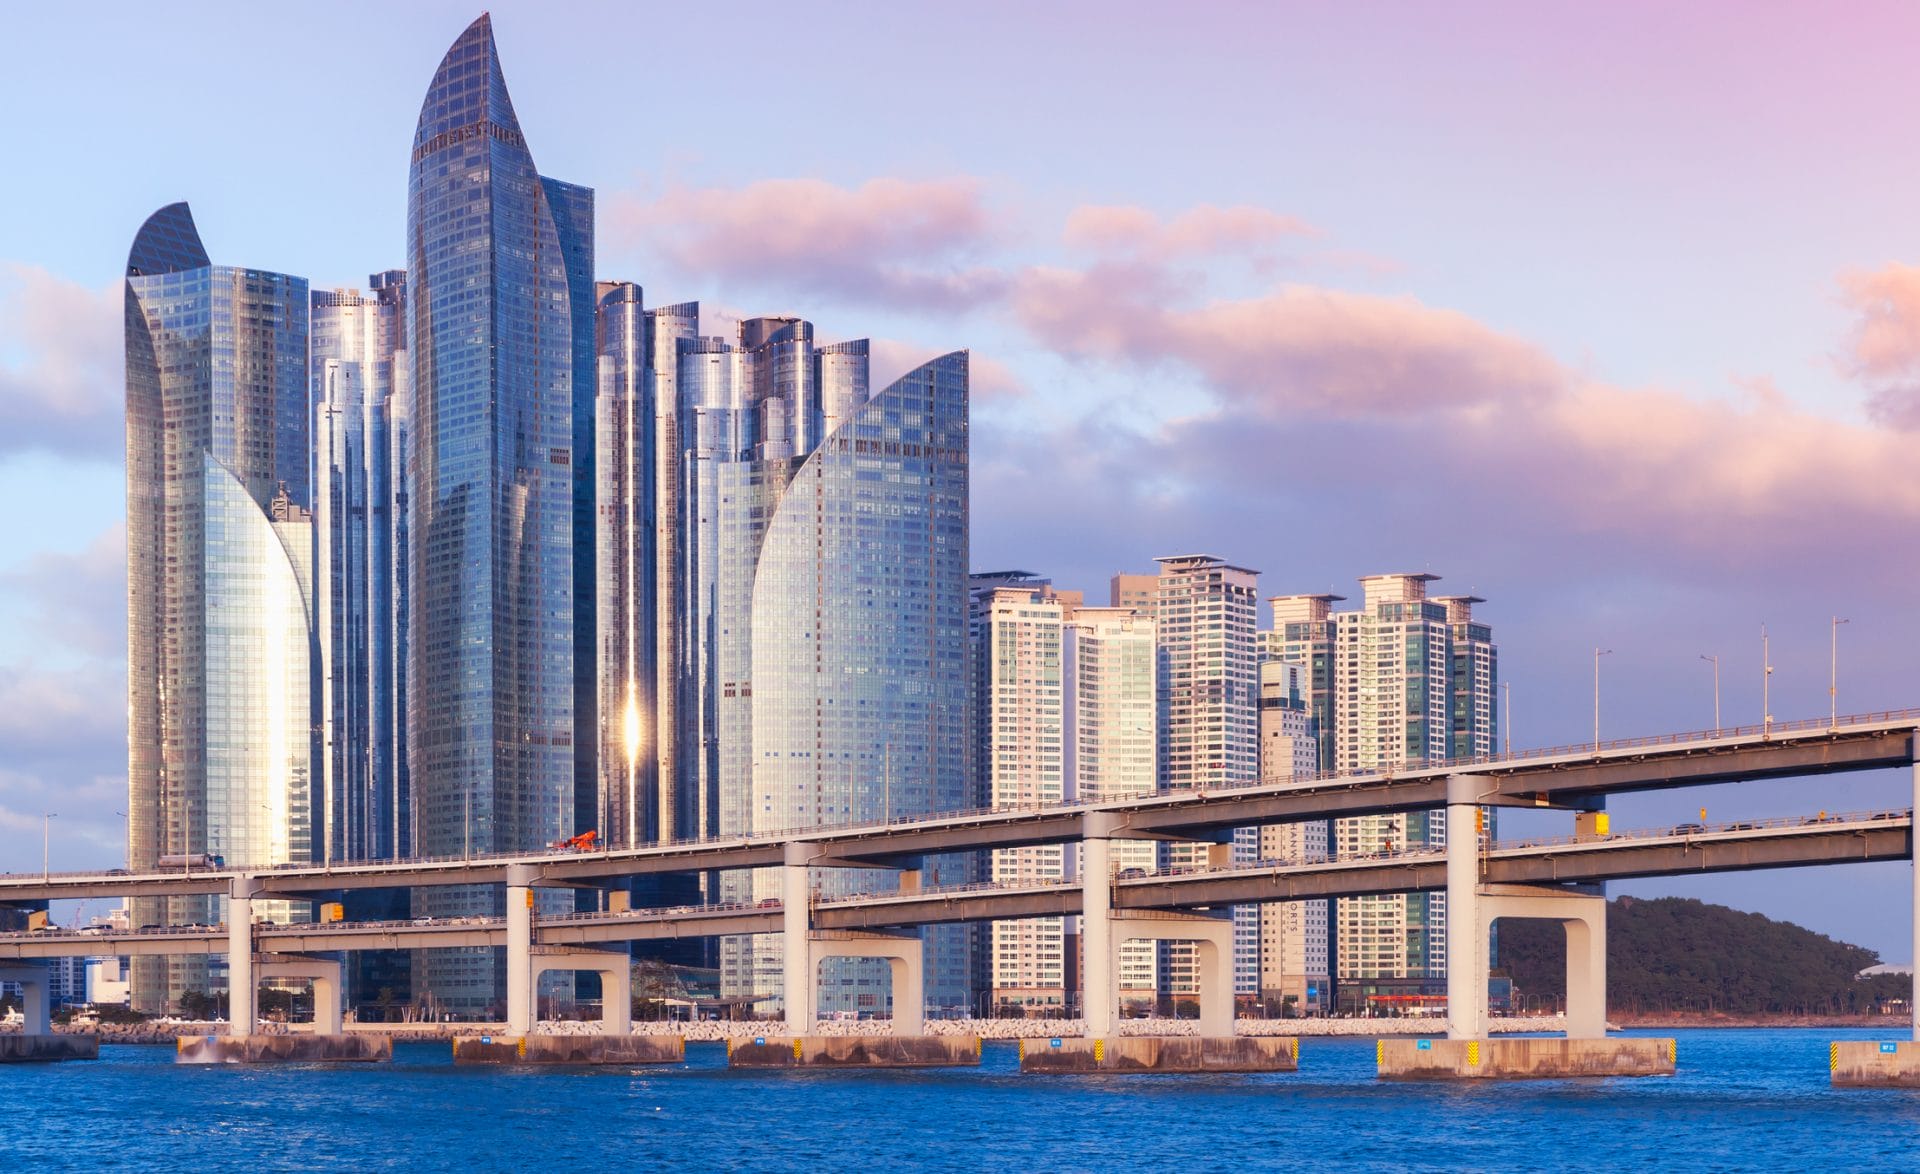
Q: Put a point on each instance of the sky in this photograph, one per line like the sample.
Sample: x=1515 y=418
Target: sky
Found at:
x=1609 y=314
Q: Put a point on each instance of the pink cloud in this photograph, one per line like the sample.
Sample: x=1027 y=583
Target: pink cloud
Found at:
x=61 y=387
x=888 y=240
x=1301 y=348
x=1200 y=231
x=1309 y=378
x=1883 y=349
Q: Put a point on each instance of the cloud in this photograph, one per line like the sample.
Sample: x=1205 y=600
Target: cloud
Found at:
x=1200 y=231
x=1390 y=405
x=78 y=600
x=1883 y=349
x=1299 y=349
x=989 y=378
x=890 y=241
x=61 y=388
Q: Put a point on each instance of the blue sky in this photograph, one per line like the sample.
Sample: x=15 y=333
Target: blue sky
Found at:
x=1604 y=314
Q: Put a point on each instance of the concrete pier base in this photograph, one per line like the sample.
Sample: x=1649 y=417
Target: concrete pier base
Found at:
x=28 y=1049
x=1860 y=1063
x=855 y=1051
x=1523 y=1059
x=283 y=1049
x=1150 y=1053
x=569 y=1049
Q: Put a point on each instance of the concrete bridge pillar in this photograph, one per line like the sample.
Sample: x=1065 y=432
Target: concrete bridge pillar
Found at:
x=616 y=981
x=1468 y=943
x=520 y=989
x=36 y=997
x=905 y=953
x=1100 y=964
x=797 y=975
x=328 y=994
x=242 y=983
x=1213 y=938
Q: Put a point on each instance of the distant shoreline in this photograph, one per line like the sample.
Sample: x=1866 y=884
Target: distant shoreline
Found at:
x=1010 y=1029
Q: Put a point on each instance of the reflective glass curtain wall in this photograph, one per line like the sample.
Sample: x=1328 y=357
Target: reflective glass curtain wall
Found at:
x=358 y=367
x=217 y=428
x=496 y=257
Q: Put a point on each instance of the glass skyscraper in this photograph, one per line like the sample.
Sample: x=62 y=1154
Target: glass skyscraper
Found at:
x=499 y=261
x=359 y=370
x=219 y=613
x=860 y=677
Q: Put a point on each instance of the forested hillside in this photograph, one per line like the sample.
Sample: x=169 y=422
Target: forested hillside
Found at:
x=1676 y=954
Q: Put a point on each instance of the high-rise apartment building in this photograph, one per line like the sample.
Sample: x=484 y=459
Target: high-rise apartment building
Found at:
x=1204 y=615
x=1110 y=749
x=499 y=262
x=1408 y=679
x=1019 y=625
x=219 y=612
x=1294 y=935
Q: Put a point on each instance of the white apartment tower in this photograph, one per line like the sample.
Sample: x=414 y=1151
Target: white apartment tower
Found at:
x=1205 y=613
x=1110 y=667
x=1020 y=627
x=1403 y=679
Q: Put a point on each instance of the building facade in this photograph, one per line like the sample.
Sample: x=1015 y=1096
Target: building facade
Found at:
x=219 y=620
x=1294 y=935
x=499 y=262
x=1409 y=679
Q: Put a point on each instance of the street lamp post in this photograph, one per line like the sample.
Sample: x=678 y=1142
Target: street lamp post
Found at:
x=1833 y=669
x=1716 y=689
x=1597 y=654
x=46 y=844
x=1506 y=720
x=1766 y=681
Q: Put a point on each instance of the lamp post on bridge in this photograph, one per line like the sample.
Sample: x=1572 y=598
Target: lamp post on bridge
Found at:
x=1506 y=720
x=1766 y=682
x=1716 y=689
x=46 y=844
x=1833 y=670
x=1597 y=654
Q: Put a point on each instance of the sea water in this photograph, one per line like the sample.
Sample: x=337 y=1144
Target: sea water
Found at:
x=1742 y=1100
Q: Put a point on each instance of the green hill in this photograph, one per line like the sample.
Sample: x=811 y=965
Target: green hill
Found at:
x=1676 y=954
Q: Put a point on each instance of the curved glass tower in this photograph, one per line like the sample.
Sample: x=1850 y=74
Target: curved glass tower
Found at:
x=860 y=680
x=219 y=749
x=495 y=260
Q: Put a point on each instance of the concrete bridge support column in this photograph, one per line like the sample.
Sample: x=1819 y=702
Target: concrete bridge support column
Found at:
x=1214 y=938
x=798 y=976
x=242 y=983
x=35 y=997
x=1468 y=942
x=328 y=994
x=1100 y=965
x=906 y=954
x=616 y=981
x=1584 y=917
x=520 y=989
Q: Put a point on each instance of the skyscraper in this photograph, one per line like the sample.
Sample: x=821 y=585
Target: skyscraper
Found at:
x=1019 y=625
x=499 y=259
x=219 y=615
x=1410 y=679
x=1293 y=934
x=1205 y=615
x=358 y=366
x=630 y=803
x=1110 y=667
x=857 y=645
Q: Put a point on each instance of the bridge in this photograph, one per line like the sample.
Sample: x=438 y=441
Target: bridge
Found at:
x=1555 y=878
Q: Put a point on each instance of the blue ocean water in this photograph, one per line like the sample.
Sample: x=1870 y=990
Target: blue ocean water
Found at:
x=1743 y=1100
